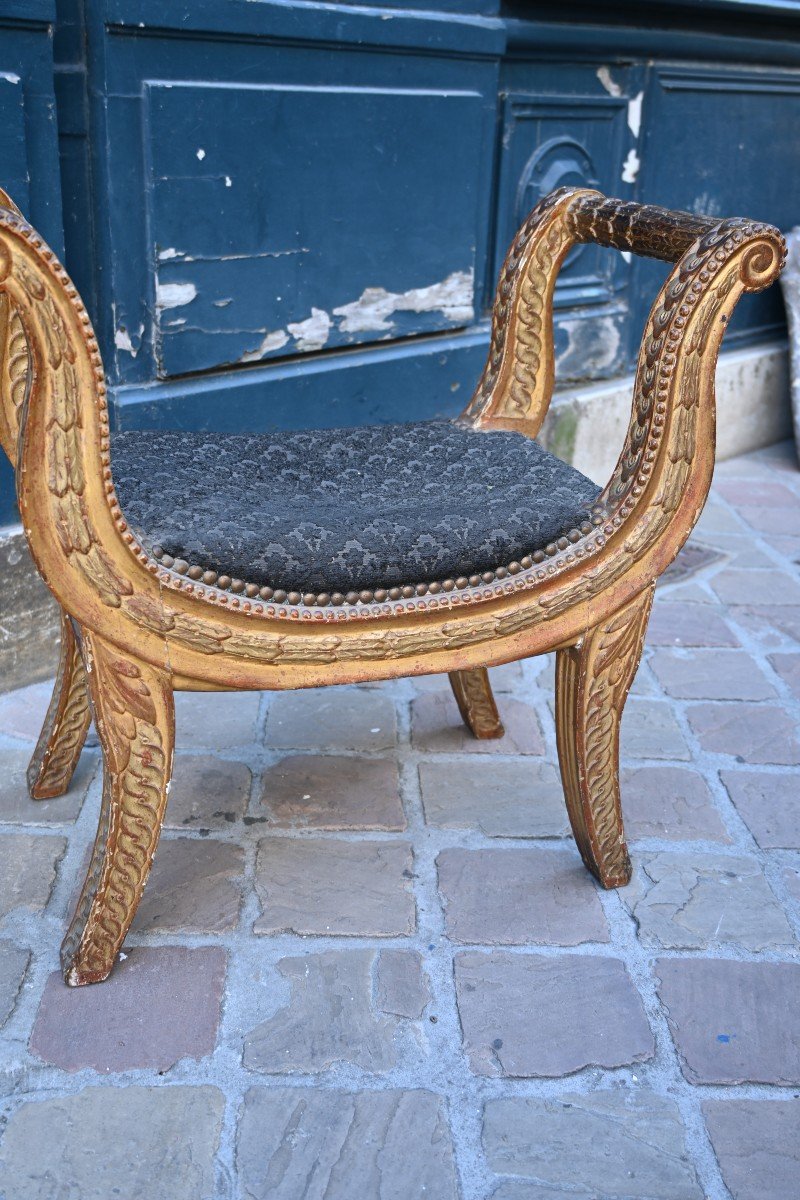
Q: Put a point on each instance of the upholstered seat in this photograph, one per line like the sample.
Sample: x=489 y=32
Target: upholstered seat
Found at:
x=332 y=512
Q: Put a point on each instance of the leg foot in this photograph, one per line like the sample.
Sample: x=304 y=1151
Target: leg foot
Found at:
x=473 y=694
x=592 y=682
x=134 y=714
x=64 y=729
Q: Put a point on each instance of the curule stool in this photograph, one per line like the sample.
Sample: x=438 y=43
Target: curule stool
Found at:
x=214 y=561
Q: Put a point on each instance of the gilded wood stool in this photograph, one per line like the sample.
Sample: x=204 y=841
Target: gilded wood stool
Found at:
x=215 y=561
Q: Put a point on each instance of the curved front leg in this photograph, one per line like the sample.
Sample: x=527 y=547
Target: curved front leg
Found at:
x=64 y=730
x=473 y=693
x=135 y=718
x=592 y=682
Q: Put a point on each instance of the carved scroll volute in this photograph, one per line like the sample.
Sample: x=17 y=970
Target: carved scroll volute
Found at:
x=661 y=480
x=63 y=479
x=517 y=382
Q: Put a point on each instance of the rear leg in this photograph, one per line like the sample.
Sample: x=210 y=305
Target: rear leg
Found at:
x=65 y=726
x=473 y=693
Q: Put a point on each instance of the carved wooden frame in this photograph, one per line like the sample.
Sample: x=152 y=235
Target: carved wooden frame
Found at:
x=138 y=630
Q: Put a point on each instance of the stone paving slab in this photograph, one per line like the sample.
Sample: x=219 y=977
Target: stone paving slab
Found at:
x=221 y=719
x=368 y=962
x=207 y=792
x=335 y=1145
x=109 y=1142
x=711 y=675
x=626 y=1144
x=515 y=799
x=769 y=803
x=332 y=1016
x=314 y=791
x=194 y=886
x=27 y=870
x=339 y=718
x=693 y=901
x=159 y=1005
x=512 y=897
x=748 y=732
x=328 y=886
x=437 y=728
x=13 y=965
x=788 y=667
x=651 y=730
x=718 y=1016
x=673 y=803
x=528 y=1016
x=757 y=1144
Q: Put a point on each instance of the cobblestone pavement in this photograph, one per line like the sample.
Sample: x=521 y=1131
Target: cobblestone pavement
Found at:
x=370 y=966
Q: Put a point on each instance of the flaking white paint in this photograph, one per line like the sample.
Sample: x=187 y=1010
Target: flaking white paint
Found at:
x=604 y=75
x=272 y=341
x=635 y=114
x=452 y=297
x=174 y=295
x=630 y=168
x=313 y=333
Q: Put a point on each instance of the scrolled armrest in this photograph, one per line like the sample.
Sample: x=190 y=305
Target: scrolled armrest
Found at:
x=644 y=229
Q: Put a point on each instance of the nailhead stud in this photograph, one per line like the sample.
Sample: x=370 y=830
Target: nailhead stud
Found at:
x=279 y=597
x=408 y=592
x=237 y=585
x=352 y=597
x=251 y=590
x=323 y=599
x=337 y=598
x=449 y=585
x=167 y=560
x=462 y=582
x=395 y=593
x=381 y=595
x=365 y=597
x=309 y=598
x=474 y=580
x=421 y=589
x=294 y=598
x=158 y=552
x=434 y=588
x=266 y=593
x=209 y=578
x=224 y=582
x=195 y=572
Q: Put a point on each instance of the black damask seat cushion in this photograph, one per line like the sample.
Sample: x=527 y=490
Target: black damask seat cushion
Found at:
x=332 y=510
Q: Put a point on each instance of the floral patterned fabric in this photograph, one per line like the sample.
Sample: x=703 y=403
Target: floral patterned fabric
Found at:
x=342 y=509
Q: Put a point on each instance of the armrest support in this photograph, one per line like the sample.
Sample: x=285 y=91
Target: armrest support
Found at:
x=661 y=480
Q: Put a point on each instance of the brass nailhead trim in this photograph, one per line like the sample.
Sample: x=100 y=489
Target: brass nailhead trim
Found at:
x=407 y=591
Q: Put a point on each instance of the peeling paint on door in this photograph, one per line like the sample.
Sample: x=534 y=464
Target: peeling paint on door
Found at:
x=452 y=297
x=174 y=295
